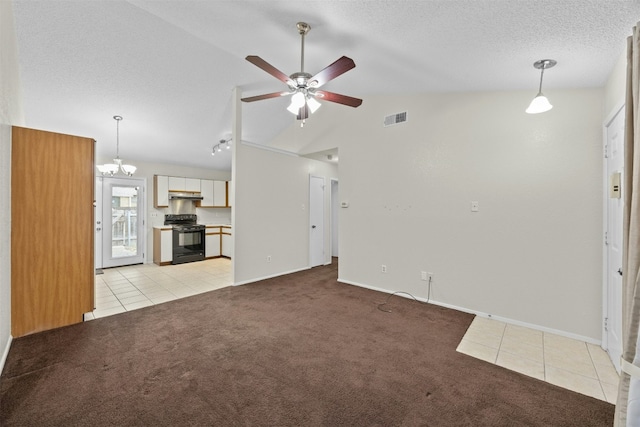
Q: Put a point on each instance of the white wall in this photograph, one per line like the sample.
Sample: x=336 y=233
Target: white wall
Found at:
x=10 y=114
x=532 y=254
x=271 y=212
x=155 y=217
x=614 y=89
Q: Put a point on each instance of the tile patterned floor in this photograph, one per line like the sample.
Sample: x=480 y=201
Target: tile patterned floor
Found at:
x=128 y=288
x=565 y=362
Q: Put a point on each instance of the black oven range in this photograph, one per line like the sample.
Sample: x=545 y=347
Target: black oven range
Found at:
x=188 y=237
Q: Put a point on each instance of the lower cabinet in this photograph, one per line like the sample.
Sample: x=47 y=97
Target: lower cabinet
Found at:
x=227 y=242
x=212 y=243
x=162 y=246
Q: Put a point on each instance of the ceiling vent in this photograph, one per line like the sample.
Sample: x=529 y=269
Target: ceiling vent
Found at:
x=394 y=119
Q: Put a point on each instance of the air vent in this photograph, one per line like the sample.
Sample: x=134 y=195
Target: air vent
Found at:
x=394 y=119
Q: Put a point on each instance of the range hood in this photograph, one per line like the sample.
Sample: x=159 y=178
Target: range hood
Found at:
x=181 y=196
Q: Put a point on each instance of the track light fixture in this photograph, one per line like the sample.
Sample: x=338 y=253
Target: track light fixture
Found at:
x=226 y=143
x=540 y=103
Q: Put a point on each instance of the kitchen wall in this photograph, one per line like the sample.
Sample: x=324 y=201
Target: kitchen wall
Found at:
x=155 y=217
x=532 y=254
x=10 y=114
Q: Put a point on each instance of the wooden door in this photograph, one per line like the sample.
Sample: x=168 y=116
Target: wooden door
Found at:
x=52 y=238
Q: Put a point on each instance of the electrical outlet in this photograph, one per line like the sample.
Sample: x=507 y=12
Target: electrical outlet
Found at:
x=475 y=206
x=423 y=275
x=268 y=258
x=383 y=268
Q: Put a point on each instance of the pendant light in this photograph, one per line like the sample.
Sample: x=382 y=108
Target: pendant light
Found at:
x=113 y=168
x=540 y=103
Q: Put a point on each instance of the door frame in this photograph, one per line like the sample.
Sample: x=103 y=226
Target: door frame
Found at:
x=334 y=212
x=605 y=227
x=322 y=216
x=142 y=209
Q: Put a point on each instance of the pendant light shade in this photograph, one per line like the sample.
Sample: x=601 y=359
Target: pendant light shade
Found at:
x=111 y=169
x=540 y=103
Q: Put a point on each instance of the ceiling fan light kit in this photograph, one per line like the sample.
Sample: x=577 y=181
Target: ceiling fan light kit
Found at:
x=540 y=103
x=303 y=87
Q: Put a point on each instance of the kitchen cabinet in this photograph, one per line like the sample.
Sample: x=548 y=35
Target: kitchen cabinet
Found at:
x=219 y=194
x=230 y=194
x=192 y=185
x=162 y=245
x=177 y=183
x=206 y=191
x=181 y=184
x=52 y=230
x=212 y=242
x=227 y=242
x=160 y=191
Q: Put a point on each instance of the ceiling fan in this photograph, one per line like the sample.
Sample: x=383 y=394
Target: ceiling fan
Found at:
x=303 y=86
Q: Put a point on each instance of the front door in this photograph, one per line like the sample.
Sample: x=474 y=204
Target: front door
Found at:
x=123 y=239
x=615 y=204
x=316 y=221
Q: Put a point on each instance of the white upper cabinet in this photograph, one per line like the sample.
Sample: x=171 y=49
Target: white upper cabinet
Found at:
x=192 y=185
x=206 y=191
x=219 y=193
x=161 y=191
x=230 y=194
x=177 y=183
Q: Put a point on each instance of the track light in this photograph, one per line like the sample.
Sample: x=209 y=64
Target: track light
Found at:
x=218 y=147
x=540 y=103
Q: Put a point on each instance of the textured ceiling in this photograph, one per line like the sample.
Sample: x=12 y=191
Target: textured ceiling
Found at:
x=169 y=67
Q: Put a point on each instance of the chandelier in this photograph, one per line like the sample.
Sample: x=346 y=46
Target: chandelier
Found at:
x=111 y=169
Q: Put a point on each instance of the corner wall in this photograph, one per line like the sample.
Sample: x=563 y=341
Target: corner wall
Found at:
x=10 y=114
x=531 y=255
x=271 y=212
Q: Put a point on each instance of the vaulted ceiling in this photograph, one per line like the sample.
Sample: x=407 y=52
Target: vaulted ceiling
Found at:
x=169 y=67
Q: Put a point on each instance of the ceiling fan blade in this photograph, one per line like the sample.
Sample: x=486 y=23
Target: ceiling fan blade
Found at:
x=265 y=96
x=303 y=114
x=332 y=71
x=261 y=63
x=340 y=99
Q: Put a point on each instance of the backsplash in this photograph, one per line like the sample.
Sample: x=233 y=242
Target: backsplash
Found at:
x=214 y=216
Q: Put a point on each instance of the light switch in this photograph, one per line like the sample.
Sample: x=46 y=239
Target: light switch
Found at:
x=344 y=204
x=475 y=206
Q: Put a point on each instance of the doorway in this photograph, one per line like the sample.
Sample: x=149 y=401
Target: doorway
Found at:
x=614 y=203
x=120 y=227
x=316 y=220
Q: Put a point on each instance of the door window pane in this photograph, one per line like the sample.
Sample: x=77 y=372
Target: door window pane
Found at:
x=124 y=211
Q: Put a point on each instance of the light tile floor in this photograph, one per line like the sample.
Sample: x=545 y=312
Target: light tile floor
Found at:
x=565 y=362
x=128 y=288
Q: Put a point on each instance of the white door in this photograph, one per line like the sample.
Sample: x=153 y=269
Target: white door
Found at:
x=97 y=207
x=316 y=221
x=615 y=203
x=123 y=238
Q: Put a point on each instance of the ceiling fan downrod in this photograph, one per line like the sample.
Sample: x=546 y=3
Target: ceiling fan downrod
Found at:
x=303 y=29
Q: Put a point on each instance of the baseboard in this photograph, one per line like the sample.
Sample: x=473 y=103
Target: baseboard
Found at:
x=481 y=314
x=245 y=282
x=5 y=353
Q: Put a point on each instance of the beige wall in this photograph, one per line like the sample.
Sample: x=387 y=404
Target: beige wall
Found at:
x=271 y=212
x=532 y=254
x=10 y=114
x=614 y=89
